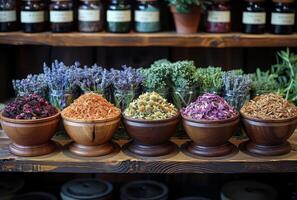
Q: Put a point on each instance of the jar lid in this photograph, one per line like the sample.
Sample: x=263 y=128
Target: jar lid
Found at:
x=36 y=196
x=283 y=1
x=193 y=198
x=145 y=190
x=86 y=189
x=255 y=0
x=246 y=190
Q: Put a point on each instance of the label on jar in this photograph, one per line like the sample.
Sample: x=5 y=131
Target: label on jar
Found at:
x=8 y=16
x=282 y=18
x=118 y=15
x=61 y=16
x=219 y=16
x=147 y=16
x=254 y=18
x=32 y=16
x=88 y=15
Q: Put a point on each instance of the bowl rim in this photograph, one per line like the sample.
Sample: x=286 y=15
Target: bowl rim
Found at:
x=267 y=120
x=236 y=117
x=152 y=121
x=30 y=121
x=91 y=121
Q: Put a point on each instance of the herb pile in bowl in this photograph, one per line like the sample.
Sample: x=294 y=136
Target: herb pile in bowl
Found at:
x=209 y=107
x=269 y=107
x=29 y=107
x=151 y=106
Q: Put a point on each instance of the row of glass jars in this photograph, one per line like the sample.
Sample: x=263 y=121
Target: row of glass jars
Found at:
x=91 y=16
x=253 y=16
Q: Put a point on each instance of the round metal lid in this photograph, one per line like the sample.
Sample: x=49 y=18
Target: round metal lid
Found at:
x=86 y=189
x=144 y=190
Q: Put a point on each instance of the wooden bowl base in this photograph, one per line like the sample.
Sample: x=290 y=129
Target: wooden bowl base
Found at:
x=138 y=150
x=32 y=151
x=262 y=150
x=196 y=150
x=91 y=151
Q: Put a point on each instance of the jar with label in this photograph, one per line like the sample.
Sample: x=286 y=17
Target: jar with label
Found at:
x=90 y=16
x=219 y=17
x=283 y=17
x=254 y=16
x=8 y=15
x=33 y=16
x=61 y=16
x=147 y=16
x=119 y=16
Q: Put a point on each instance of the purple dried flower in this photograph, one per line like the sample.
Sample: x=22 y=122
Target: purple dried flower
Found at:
x=29 y=107
x=209 y=107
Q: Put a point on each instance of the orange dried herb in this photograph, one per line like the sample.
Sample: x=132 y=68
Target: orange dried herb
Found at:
x=91 y=106
x=269 y=106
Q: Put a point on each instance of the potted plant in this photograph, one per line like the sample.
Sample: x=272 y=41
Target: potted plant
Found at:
x=30 y=122
x=187 y=14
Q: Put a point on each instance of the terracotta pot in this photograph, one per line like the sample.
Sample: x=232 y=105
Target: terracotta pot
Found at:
x=268 y=137
x=31 y=137
x=151 y=138
x=210 y=137
x=91 y=138
x=186 y=22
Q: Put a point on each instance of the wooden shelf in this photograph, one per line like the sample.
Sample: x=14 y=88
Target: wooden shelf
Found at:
x=169 y=39
x=63 y=161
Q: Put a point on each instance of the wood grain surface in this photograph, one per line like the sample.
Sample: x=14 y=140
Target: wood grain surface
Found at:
x=170 y=39
x=64 y=161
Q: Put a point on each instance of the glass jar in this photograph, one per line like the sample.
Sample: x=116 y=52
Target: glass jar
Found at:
x=254 y=16
x=119 y=16
x=283 y=17
x=90 y=16
x=147 y=16
x=219 y=17
x=8 y=15
x=182 y=97
x=33 y=16
x=122 y=98
x=61 y=16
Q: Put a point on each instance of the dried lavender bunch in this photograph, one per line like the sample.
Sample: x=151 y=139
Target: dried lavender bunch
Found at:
x=95 y=79
x=126 y=79
x=236 y=88
x=210 y=79
x=32 y=84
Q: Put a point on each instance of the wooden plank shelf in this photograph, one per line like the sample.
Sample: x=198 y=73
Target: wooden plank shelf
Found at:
x=63 y=161
x=169 y=39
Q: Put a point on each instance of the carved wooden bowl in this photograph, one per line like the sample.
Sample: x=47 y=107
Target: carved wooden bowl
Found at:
x=31 y=137
x=268 y=137
x=91 y=138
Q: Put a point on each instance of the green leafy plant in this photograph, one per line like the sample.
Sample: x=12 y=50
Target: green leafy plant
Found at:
x=210 y=79
x=286 y=71
x=264 y=82
x=184 y=6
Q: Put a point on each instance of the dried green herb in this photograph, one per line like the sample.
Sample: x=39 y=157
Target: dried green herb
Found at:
x=210 y=79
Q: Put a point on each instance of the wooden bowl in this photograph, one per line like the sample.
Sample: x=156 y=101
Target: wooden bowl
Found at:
x=268 y=137
x=210 y=137
x=151 y=137
x=31 y=137
x=91 y=138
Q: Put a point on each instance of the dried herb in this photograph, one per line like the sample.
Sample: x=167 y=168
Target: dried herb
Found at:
x=210 y=79
x=29 y=107
x=264 y=82
x=268 y=107
x=209 y=107
x=150 y=106
x=32 y=84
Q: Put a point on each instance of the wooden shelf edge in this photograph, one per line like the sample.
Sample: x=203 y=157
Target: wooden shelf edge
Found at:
x=169 y=39
x=64 y=162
